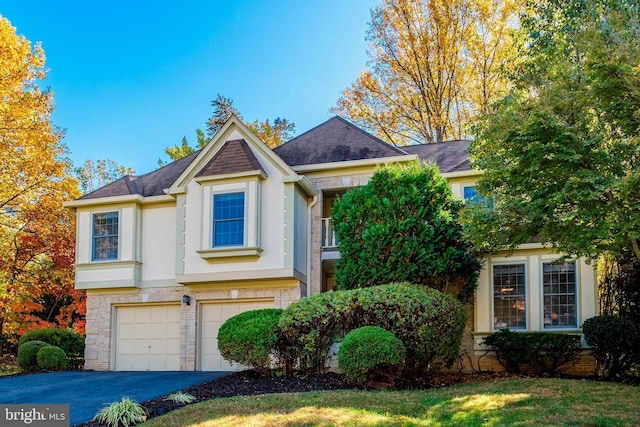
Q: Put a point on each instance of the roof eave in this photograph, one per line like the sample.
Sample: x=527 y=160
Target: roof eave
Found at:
x=113 y=200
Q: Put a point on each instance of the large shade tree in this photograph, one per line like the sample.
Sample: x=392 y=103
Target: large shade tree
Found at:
x=403 y=227
x=561 y=152
x=433 y=66
x=37 y=234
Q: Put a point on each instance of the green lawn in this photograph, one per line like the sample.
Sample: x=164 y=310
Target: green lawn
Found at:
x=510 y=402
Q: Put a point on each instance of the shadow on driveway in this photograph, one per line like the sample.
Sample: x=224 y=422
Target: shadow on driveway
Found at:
x=88 y=391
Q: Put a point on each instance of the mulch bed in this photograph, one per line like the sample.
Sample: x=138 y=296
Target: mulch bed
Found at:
x=248 y=383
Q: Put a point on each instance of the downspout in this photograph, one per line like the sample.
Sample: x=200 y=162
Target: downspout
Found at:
x=314 y=201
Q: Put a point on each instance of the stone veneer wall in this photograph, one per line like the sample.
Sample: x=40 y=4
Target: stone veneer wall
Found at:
x=100 y=312
x=472 y=360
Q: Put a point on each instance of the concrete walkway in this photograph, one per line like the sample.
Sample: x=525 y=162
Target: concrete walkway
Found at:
x=88 y=391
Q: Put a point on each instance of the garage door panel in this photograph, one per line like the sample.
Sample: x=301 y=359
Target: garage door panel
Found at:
x=147 y=338
x=142 y=314
x=213 y=316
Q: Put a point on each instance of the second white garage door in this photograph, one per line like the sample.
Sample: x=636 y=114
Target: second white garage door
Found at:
x=212 y=316
x=147 y=338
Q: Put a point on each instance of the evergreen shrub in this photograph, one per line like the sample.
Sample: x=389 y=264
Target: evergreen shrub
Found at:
x=428 y=322
x=542 y=352
x=614 y=343
x=51 y=358
x=371 y=356
x=28 y=354
x=250 y=338
x=72 y=343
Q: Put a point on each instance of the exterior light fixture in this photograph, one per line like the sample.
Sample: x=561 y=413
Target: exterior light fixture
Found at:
x=186 y=299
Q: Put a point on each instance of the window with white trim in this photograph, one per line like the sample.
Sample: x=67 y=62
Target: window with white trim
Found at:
x=559 y=287
x=228 y=219
x=509 y=296
x=469 y=193
x=105 y=236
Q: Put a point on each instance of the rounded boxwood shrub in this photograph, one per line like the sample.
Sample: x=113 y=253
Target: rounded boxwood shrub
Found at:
x=28 y=354
x=250 y=338
x=51 y=358
x=614 y=342
x=69 y=341
x=371 y=356
x=428 y=322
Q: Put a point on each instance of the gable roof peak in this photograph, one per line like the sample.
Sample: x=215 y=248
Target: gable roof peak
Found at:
x=234 y=156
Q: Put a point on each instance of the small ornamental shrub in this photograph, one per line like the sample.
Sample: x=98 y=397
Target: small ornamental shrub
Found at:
x=28 y=354
x=428 y=322
x=51 y=358
x=69 y=341
x=124 y=413
x=250 y=338
x=371 y=356
x=614 y=343
x=543 y=352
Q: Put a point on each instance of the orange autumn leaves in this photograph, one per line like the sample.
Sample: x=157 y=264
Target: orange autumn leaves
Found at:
x=37 y=234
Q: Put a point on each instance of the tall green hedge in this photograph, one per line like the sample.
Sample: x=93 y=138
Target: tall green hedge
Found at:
x=403 y=227
x=429 y=323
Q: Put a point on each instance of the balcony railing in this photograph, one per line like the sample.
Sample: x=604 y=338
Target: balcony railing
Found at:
x=329 y=239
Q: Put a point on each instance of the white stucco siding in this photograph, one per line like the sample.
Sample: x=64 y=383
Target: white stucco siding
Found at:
x=158 y=242
x=264 y=222
x=128 y=232
x=83 y=240
x=102 y=275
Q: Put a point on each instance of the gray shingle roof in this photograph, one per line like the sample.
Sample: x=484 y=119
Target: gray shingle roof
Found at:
x=234 y=156
x=335 y=140
x=451 y=156
x=151 y=184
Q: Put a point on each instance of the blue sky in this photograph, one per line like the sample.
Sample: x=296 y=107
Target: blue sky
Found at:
x=133 y=77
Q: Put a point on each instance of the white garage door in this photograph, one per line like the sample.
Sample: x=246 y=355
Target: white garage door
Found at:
x=147 y=338
x=212 y=316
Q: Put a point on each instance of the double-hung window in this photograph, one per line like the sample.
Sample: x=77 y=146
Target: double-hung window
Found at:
x=509 y=296
x=228 y=219
x=105 y=236
x=559 y=283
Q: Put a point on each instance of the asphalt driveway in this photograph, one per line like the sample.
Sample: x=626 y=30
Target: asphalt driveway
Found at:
x=88 y=391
